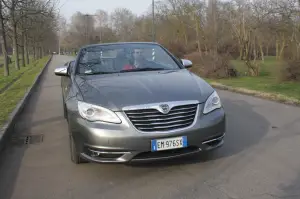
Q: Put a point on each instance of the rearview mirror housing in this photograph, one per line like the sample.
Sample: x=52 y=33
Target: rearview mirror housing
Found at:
x=61 y=71
x=186 y=63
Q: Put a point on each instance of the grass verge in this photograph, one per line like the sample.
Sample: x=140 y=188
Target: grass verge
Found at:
x=263 y=84
x=267 y=85
x=14 y=73
x=11 y=97
x=271 y=92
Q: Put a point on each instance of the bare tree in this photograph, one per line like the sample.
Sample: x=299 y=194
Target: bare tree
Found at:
x=210 y=29
x=27 y=24
x=103 y=21
x=123 y=23
x=3 y=41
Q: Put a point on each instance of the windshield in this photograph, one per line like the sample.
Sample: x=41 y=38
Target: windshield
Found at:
x=116 y=58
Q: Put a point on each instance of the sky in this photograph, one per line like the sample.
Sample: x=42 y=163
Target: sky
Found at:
x=69 y=7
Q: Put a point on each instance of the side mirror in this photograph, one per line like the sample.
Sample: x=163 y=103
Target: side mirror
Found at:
x=186 y=63
x=61 y=71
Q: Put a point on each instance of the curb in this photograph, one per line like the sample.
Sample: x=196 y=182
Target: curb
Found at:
x=8 y=127
x=263 y=95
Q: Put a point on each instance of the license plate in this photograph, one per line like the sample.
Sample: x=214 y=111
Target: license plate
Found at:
x=168 y=143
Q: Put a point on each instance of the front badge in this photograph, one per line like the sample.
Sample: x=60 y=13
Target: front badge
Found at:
x=164 y=108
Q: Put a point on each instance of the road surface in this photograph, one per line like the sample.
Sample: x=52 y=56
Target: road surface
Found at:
x=260 y=158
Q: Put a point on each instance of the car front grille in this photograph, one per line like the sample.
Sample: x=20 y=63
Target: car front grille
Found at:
x=151 y=120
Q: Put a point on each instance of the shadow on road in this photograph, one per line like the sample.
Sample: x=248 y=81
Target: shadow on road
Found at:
x=12 y=156
x=292 y=190
x=245 y=128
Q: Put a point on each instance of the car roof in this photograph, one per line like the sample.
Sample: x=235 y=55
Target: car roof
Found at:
x=116 y=43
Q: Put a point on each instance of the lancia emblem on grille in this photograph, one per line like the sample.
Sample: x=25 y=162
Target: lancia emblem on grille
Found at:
x=164 y=108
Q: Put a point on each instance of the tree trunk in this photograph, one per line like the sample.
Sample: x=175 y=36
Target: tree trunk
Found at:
x=277 y=49
x=241 y=52
x=37 y=52
x=34 y=52
x=198 y=36
x=40 y=52
x=3 y=43
x=15 y=45
x=26 y=50
x=6 y=65
x=281 y=49
x=23 y=49
x=262 y=52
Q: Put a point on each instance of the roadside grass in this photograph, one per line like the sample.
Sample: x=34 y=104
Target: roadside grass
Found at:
x=11 y=97
x=269 y=67
x=267 y=82
x=13 y=72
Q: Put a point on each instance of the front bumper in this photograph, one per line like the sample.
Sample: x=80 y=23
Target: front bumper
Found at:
x=118 y=143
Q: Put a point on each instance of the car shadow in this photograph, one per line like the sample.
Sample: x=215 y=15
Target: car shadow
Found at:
x=244 y=128
x=11 y=156
x=291 y=190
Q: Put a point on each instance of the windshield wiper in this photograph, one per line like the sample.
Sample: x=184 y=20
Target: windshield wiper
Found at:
x=141 y=69
x=97 y=73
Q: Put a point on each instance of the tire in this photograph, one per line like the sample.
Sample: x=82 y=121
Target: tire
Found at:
x=65 y=111
x=64 y=106
x=75 y=157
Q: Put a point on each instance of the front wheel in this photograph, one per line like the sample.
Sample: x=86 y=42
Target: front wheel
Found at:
x=75 y=157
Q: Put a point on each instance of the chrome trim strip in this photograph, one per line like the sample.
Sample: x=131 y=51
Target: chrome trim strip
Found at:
x=124 y=158
x=221 y=143
x=156 y=105
x=107 y=152
x=219 y=138
x=98 y=160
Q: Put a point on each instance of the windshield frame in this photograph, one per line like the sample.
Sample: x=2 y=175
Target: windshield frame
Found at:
x=80 y=53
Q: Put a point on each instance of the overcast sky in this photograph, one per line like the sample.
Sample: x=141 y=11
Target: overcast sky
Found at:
x=69 y=7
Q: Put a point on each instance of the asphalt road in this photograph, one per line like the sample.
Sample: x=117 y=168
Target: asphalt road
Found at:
x=260 y=158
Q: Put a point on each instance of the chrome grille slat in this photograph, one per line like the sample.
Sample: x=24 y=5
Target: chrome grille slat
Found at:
x=160 y=115
x=152 y=120
x=185 y=108
x=139 y=119
x=163 y=127
x=142 y=112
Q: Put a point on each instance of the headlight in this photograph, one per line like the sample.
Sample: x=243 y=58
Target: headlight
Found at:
x=96 y=113
x=213 y=102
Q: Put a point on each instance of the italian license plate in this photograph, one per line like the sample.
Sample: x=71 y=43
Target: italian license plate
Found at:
x=168 y=143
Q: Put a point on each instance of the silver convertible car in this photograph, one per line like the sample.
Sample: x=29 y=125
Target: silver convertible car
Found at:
x=135 y=101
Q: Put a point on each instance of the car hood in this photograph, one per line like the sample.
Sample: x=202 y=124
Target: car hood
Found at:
x=115 y=91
